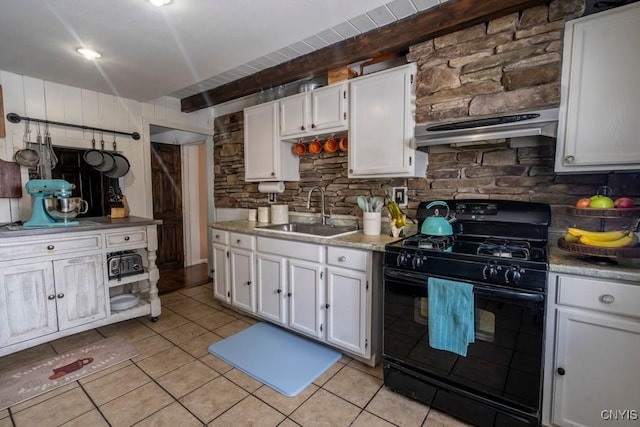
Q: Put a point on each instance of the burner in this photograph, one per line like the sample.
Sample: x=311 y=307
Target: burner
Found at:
x=437 y=243
x=505 y=248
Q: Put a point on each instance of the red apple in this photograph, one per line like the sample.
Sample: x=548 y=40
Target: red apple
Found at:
x=624 y=202
x=583 y=203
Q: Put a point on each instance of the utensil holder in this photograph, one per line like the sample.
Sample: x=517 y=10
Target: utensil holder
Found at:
x=123 y=212
x=371 y=223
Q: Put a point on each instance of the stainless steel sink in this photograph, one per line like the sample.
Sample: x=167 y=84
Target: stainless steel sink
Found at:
x=310 y=229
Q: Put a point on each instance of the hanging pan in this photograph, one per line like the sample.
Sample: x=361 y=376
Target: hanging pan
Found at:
x=108 y=162
x=93 y=157
x=121 y=165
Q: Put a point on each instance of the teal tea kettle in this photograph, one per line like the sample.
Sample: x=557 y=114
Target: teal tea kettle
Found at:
x=437 y=225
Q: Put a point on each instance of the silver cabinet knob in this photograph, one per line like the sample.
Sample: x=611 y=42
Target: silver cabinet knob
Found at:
x=60 y=295
x=342 y=258
x=569 y=159
x=606 y=299
x=126 y=238
x=51 y=297
x=50 y=247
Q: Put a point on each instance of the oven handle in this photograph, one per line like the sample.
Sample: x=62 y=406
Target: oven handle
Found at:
x=479 y=289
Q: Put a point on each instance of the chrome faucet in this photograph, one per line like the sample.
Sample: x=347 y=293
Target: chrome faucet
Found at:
x=322 y=214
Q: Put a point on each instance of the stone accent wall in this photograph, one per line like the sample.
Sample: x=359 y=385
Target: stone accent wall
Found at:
x=326 y=170
x=508 y=64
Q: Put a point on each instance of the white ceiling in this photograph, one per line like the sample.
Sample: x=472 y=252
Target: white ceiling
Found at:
x=181 y=49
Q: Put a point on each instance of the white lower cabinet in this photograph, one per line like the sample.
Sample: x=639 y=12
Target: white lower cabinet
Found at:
x=347 y=305
x=44 y=297
x=242 y=272
x=593 y=376
x=242 y=282
x=53 y=285
x=306 y=297
x=80 y=293
x=220 y=249
x=271 y=284
x=27 y=302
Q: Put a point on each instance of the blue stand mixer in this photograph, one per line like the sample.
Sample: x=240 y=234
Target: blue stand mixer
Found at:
x=53 y=205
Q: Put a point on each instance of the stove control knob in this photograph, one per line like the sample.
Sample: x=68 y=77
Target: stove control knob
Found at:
x=402 y=259
x=513 y=275
x=417 y=261
x=490 y=271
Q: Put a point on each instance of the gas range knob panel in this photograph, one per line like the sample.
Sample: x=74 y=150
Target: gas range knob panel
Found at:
x=514 y=275
x=402 y=259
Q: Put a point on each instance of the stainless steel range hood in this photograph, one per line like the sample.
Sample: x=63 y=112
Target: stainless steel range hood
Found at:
x=523 y=128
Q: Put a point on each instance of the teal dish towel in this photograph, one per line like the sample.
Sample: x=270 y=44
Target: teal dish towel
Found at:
x=451 y=315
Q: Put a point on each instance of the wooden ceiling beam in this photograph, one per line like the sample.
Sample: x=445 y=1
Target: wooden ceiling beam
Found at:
x=396 y=37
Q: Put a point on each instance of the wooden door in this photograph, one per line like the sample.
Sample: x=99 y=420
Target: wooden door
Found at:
x=166 y=178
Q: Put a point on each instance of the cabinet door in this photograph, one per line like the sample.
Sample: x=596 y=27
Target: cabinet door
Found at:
x=596 y=368
x=347 y=315
x=221 y=272
x=306 y=296
x=294 y=115
x=328 y=107
x=271 y=275
x=600 y=100
x=261 y=145
x=243 y=293
x=80 y=290
x=27 y=302
x=381 y=124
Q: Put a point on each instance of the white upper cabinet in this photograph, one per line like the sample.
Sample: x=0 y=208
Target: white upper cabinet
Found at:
x=323 y=110
x=266 y=158
x=381 y=125
x=600 y=100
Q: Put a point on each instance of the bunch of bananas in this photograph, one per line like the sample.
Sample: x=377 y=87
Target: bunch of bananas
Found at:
x=394 y=211
x=602 y=239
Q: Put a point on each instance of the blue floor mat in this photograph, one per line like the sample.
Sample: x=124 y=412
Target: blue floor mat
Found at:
x=282 y=360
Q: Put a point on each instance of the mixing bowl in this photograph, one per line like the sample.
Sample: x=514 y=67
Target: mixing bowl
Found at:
x=66 y=208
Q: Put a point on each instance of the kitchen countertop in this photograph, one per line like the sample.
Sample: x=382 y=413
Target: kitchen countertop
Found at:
x=355 y=240
x=560 y=261
x=86 y=224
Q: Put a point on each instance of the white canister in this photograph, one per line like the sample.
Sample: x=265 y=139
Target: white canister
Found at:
x=371 y=223
x=263 y=214
x=253 y=214
x=279 y=214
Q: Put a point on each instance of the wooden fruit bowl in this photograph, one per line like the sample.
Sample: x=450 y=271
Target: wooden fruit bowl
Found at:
x=579 y=248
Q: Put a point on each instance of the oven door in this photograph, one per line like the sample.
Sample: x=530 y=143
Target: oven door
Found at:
x=503 y=367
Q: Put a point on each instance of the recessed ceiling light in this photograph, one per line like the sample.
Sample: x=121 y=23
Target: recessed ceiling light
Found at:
x=159 y=2
x=88 y=53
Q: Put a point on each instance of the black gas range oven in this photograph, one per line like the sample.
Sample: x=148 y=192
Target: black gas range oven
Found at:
x=498 y=247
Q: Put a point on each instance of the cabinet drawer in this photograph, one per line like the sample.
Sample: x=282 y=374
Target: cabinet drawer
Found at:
x=353 y=259
x=291 y=249
x=52 y=245
x=242 y=241
x=126 y=238
x=599 y=295
x=219 y=236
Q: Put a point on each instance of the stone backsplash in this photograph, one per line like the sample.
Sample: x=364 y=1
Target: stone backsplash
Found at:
x=509 y=64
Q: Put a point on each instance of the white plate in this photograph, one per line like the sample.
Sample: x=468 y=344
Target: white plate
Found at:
x=123 y=301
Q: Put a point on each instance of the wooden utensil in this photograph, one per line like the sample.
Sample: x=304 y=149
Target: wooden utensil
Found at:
x=10 y=182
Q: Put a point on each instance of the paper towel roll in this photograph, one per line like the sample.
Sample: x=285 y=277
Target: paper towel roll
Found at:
x=271 y=187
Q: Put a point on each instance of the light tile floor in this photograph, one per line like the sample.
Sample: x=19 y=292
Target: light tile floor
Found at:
x=174 y=381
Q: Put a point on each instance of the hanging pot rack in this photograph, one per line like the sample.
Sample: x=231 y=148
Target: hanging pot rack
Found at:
x=16 y=118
